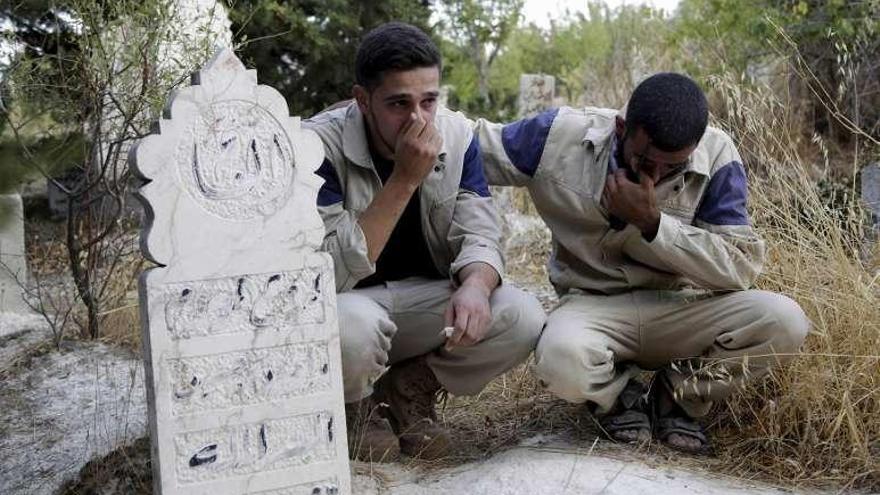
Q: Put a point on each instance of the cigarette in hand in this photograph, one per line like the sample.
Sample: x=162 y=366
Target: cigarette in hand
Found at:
x=447 y=333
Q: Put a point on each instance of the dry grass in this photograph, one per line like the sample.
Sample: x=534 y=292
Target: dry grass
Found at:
x=817 y=420
x=126 y=470
x=51 y=287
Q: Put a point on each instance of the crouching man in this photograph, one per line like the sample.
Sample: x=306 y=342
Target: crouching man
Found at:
x=653 y=258
x=415 y=240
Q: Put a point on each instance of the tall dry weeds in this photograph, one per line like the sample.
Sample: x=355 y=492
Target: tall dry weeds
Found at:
x=817 y=420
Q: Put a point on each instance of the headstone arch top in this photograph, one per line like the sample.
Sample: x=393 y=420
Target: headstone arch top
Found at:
x=221 y=176
x=240 y=332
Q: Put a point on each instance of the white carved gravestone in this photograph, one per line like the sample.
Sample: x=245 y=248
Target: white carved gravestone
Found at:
x=13 y=266
x=240 y=332
x=536 y=93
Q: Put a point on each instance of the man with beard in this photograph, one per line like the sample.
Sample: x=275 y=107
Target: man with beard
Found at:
x=653 y=258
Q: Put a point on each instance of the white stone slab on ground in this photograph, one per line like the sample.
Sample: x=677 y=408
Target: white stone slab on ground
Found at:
x=240 y=331
x=557 y=468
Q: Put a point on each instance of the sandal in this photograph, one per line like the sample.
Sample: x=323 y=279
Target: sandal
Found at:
x=630 y=414
x=677 y=422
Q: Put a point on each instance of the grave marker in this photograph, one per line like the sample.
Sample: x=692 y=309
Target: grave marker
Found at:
x=240 y=333
x=13 y=265
x=871 y=191
x=536 y=93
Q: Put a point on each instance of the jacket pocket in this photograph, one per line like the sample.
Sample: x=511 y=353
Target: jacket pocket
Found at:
x=440 y=218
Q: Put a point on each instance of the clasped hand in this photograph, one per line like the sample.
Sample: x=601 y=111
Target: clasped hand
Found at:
x=418 y=144
x=634 y=203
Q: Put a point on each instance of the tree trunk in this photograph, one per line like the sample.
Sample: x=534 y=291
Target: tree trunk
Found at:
x=478 y=55
x=80 y=273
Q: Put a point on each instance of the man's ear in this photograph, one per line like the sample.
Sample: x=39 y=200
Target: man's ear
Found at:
x=619 y=126
x=362 y=97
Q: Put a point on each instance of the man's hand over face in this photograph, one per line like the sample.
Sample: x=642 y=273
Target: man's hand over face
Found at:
x=470 y=314
x=418 y=144
x=633 y=203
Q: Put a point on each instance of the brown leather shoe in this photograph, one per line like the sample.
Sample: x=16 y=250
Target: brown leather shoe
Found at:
x=370 y=437
x=410 y=389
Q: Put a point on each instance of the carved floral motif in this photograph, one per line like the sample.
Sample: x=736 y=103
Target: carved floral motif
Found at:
x=249 y=377
x=246 y=303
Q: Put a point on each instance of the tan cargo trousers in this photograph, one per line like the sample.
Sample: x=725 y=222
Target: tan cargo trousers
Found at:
x=386 y=324
x=593 y=344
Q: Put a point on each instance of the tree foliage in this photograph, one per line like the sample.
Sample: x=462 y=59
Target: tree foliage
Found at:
x=478 y=31
x=579 y=50
x=305 y=49
x=837 y=41
x=87 y=80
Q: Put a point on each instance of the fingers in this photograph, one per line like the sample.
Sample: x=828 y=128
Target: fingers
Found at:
x=428 y=128
x=449 y=315
x=476 y=328
x=610 y=185
x=437 y=141
x=461 y=325
x=407 y=126
x=416 y=126
x=646 y=181
x=448 y=319
x=429 y=133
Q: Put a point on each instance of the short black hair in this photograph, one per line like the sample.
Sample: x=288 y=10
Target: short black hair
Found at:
x=393 y=46
x=671 y=108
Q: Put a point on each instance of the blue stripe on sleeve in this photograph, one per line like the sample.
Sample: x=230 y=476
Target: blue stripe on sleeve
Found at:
x=724 y=202
x=331 y=192
x=524 y=140
x=473 y=178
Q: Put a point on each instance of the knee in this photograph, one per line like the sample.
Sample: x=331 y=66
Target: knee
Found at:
x=555 y=357
x=519 y=315
x=364 y=337
x=787 y=322
x=569 y=370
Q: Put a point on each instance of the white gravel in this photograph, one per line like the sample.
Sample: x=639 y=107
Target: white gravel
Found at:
x=63 y=409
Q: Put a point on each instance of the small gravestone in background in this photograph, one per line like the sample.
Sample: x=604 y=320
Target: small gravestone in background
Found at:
x=13 y=264
x=240 y=333
x=443 y=97
x=871 y=192
x=536 y=92
x=870 y=177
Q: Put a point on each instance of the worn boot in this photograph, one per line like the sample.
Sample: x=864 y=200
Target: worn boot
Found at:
x=410 y=389
x=370 y=437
